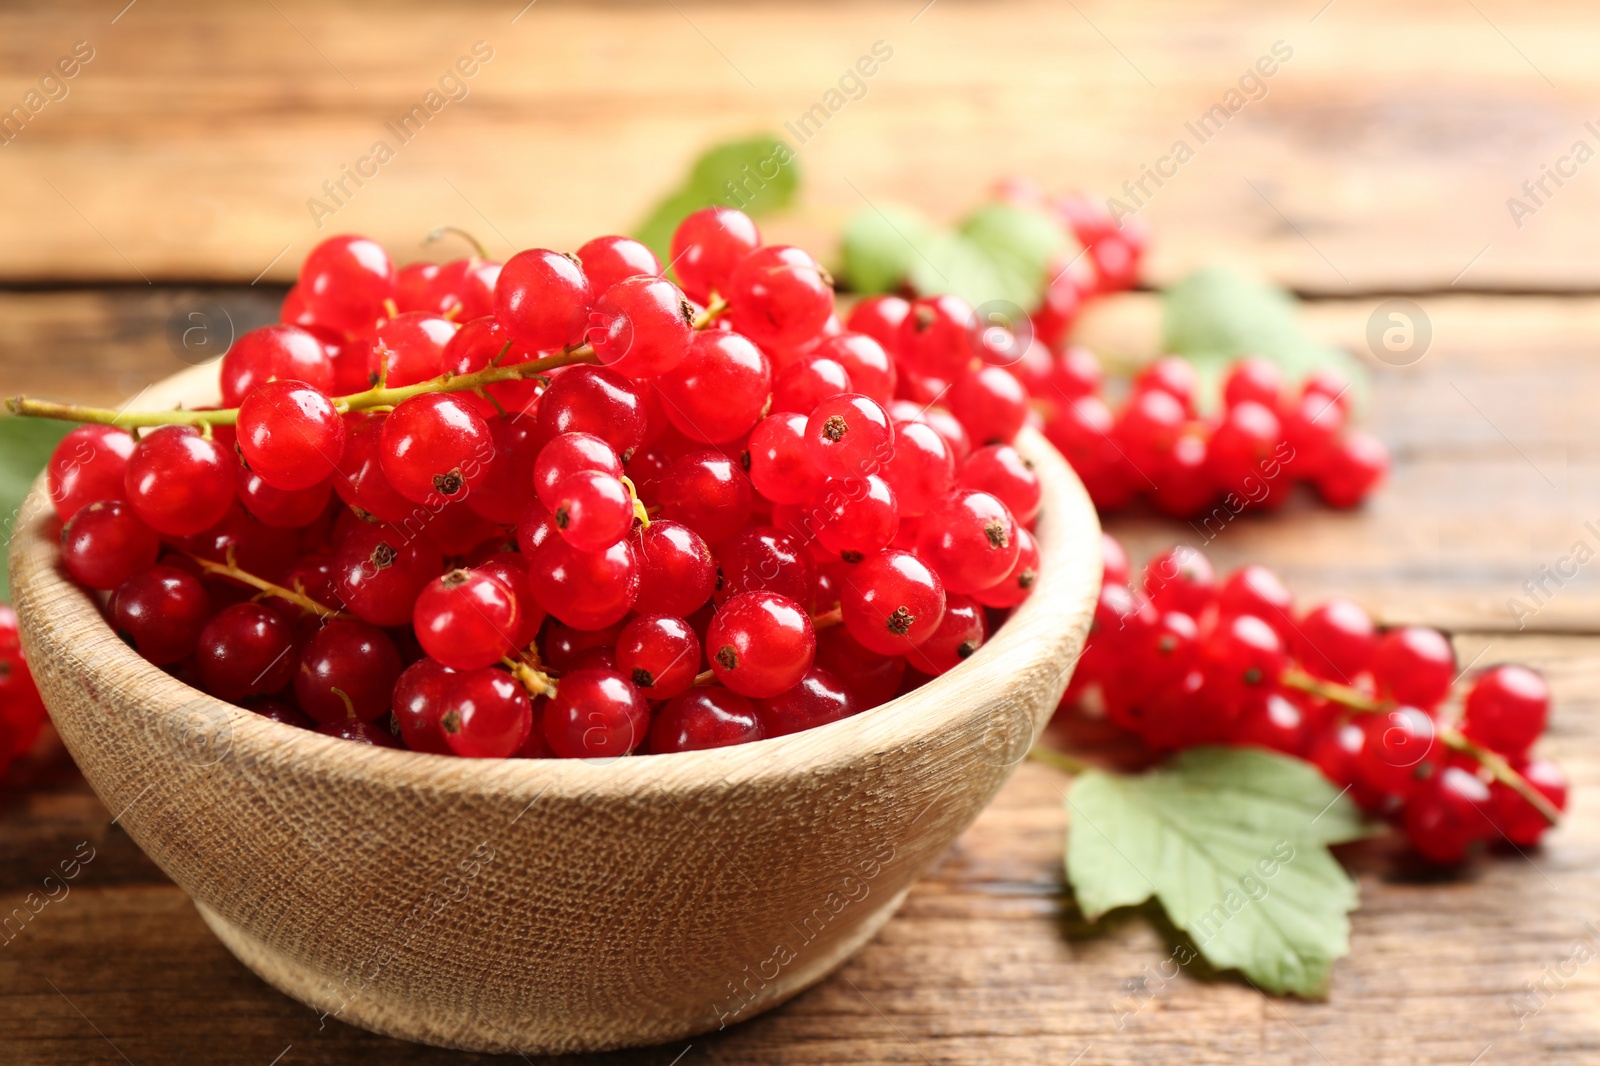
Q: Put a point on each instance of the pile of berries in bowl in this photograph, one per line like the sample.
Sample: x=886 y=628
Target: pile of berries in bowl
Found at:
x=565 y=507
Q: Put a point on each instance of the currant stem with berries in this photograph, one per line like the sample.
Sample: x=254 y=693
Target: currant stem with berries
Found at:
x=1355 y=700
x=244 y=577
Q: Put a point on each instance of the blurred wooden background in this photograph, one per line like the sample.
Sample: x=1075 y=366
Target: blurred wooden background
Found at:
x=172 y=173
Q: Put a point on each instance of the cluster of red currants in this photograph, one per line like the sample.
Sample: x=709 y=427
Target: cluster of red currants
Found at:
x=1185 y=659
x=606 y=513
x=1266 y=437
x=21 y=709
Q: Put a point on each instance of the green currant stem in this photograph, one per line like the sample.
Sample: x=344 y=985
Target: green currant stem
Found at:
x=1333 y=692
x=536 y=681
x=827 y=619
x=704 y=678
x=377 y=396
x=1067 y=764
x=439 y=233
x=1358 y=701
x=244 y=577
x=715 y=310
x=1503 y=772
x=640 y=512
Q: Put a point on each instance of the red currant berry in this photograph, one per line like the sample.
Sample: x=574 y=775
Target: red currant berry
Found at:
x=642 y=327
x=434 y=448
x=1075 y=373
x=1516 y=818
x=879 y=317
x=808 y=381
x=1506 y=709
x=719 y=391
x=361 y=482
x=1254 y=379
x=273 y=353
x=677 y=573
x=660 y=654
x=274 y=711
x=849 y=435
x=856 y=517
x=591 y=399
x=778 y=295
x=595 y=714
x=568 y=454
x=891 y=602
x=378 y=573
x=276 y=507
x=484 y=342
x=485 y=715
x=1336 y=641
x=868 y=366
x=543 y=298
x=1312 y=425
x=707 y=492
x=760 y=644
x=592 y=510
x=245 y=650
x=348 y=670
x=1353 y=469
x=178 y=482
x=89 y=464
x=1256 y=590
x=1245 y=448
x=1244 y=656
x=344 y=282
x=1002 y=472
x=921 y=471
x=1181 y=579
x=1415 y=665
x=1082 y=431
x=961 y=632
x=780 y=460
x=105 y=543
x=1275 y=723
x=970 y=539
x=419 y=701
x=991 y=404
x=818 y=699
x=290 y=434
x=706 y=247
x=409 y=348
x=585 y=590
x=1172 y=375
x=1448 y=815
x=938 y=337
x=609 y=260
x=704 y=718
x=1397 y=751
x=764 y=557
x=466 y=619
x=1016 y=586
x=868 y=678
x=160 y=611
x=1183 y=475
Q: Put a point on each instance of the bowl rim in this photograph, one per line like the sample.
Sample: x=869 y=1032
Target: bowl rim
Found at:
x=1037 y=632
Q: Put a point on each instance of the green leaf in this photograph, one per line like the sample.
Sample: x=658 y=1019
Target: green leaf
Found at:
x=758 y=175
x=1215 y=315
x=1233 y=843
x=25 y=447
x=1000 y=252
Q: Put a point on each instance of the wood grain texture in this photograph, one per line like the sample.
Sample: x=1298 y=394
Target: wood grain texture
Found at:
x=1381 y=156
x=547 y=905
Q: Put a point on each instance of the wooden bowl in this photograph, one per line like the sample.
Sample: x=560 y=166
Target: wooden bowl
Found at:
x=550 y=905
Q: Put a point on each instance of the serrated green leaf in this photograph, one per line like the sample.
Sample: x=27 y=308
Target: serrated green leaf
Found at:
x=25 y=447
x=880 y=246
x=1233 y=843
x=1215 y=315
x=758 y=175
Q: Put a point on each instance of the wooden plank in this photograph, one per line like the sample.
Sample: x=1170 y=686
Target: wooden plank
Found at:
x=988 y=961
x=1382 y=155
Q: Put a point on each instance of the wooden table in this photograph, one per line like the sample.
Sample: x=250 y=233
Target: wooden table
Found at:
x=175 y=174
